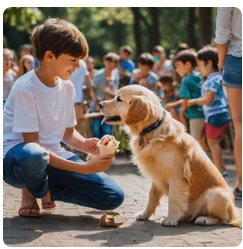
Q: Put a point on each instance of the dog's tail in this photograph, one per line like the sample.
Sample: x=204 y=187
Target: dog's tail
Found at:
x=237 y=220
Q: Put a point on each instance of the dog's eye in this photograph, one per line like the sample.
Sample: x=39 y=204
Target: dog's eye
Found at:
x=119 y=99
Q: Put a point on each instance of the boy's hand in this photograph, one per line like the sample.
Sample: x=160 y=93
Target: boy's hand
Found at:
x=99 y=163
x=167 y=107
x=90 y=146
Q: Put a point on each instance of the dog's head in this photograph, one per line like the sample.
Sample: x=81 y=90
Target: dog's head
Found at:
x=131 y=106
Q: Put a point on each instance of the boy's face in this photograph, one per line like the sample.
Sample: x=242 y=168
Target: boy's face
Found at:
x=123 y=55
x=64 y=65
x=203 y=68
x=110 y=65
x=167 y=86
x=181 y=68
x=7 y=60
x=159 y=55
x=90 y=64
x=144 y=69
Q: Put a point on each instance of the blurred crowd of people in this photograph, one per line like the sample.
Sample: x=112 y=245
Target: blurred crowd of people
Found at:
x=190 y=85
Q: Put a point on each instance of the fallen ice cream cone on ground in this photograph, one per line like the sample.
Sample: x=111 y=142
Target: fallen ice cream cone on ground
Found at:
x=108 y=145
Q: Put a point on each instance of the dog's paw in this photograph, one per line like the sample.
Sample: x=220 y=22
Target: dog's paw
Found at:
x=169 y=222
x=141 y=216
x=206 y=221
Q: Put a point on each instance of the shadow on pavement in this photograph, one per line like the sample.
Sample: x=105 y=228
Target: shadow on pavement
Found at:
x=131 y=234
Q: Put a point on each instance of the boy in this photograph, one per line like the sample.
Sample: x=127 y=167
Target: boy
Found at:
x=169 y=93
x=161 y=65
x=143 y=75
x=215 y=104
x=9 y=75
x=38 y=115
x=185 y=63
x=105 y=86
x=126 y=64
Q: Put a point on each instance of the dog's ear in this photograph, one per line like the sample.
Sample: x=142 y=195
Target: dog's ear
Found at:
x=140 y=108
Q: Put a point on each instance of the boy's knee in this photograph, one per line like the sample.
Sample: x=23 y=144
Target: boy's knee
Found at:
x=115 y=199
x=35 y=158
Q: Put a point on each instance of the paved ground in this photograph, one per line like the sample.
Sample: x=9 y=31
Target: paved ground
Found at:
x=71 y=225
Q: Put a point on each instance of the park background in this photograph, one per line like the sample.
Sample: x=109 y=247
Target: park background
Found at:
x=108 y=28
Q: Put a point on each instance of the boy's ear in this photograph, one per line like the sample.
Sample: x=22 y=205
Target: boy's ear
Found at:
x=49 y=55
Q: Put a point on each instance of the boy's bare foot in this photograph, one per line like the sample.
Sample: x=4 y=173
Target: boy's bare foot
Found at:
x=47 y=203
x=29 y=206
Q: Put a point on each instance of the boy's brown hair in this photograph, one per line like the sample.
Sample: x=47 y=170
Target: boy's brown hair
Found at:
x=158 y=49
x=209 y=53
x=166 y=78
x=187 y=55
x=112 y=57
x=60 y=37
x=146 y=59
x=126 y=49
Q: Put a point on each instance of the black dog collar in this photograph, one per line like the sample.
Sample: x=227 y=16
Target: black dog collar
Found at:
x=150 y=128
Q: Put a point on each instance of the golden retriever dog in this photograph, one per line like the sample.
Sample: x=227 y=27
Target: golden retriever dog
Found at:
x=173 y=159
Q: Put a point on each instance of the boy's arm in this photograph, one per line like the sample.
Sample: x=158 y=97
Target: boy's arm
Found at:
x=182 y=112
x=206 y=100
x=76 y=141
x=173 y=104
x=98 y=164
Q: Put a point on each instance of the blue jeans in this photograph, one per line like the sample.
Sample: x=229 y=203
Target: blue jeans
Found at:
x=99 y=130
x=26 y=165
x=232 y=72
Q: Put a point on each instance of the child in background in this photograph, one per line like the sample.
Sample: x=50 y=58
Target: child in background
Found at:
x=105 y=86
x=215 y=104
x=91 y=67
x=26 y=64
x=161 y=64
x=126 y=63
x=169 y=93
x=185 y=63
x=144 y=75
x=9 y=75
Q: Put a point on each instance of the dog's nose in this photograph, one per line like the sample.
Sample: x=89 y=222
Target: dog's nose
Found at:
x=101 y=104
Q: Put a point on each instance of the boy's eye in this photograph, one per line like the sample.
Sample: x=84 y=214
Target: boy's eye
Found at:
x=73 y=60
x=119 y=99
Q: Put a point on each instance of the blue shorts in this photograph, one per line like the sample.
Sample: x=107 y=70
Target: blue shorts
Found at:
x=232 y=72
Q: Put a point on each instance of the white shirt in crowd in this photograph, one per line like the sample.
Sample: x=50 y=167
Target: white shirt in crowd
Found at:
x=229 y=29
x=78 y=80
x=34 y=107
x=8 y=81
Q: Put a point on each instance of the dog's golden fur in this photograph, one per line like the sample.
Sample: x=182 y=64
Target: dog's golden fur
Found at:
x=175 y=162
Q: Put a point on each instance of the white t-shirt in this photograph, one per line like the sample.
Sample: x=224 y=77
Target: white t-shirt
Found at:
x=78 y=80
x=34 y=107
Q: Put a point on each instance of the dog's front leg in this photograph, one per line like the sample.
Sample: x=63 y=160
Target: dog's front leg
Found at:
x=178 y=202
x=155 y=195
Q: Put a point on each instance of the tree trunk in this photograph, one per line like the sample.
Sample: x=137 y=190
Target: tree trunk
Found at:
x=205 y=21
x=190 y=28
x=155 y=26
x=136 y=30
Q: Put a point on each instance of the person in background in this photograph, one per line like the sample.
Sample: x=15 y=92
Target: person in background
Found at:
x=25 y=49
x=126 y=63
x=185 y=63
x=26 y=64
x=161 y=64
x=228 y=39
x=91 y=66
x=144 y=75
x=14 y=63
x=169 y=93
x=9 y=75
x=214 y=102
x=82 y=84
x=105 y=86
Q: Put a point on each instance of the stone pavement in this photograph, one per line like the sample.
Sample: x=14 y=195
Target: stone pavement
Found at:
x=72 y=226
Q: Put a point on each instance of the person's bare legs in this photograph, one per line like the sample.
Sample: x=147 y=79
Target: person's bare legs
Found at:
x=216 y=154
x=29 y=203
x=235 y=105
